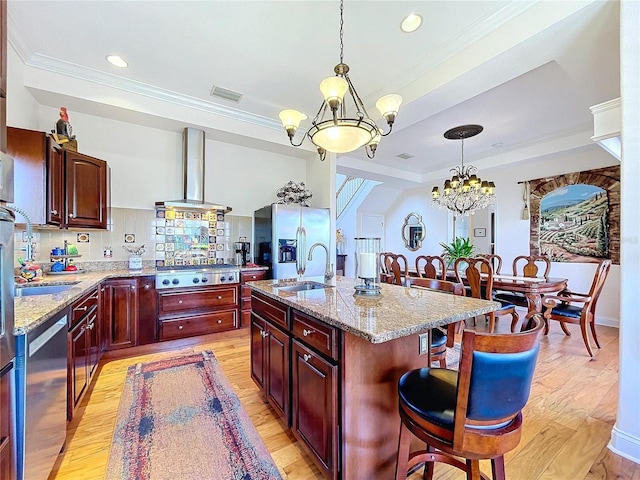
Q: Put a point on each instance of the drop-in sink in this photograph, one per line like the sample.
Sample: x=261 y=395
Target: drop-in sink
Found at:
x=42 y=289
x=301 y=286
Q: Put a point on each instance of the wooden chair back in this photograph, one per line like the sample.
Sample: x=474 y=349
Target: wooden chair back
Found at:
x=398 y=268
x=384 y=266
x=455 y=288
x=531 y=266
x=469 y=270
x=431 y=267
x=598 y=282
x=494 y=260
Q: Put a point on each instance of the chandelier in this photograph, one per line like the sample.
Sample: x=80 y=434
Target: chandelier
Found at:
x=338 y=127
x=464 y=193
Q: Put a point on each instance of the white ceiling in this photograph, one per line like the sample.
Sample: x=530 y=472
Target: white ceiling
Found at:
x=528 y=71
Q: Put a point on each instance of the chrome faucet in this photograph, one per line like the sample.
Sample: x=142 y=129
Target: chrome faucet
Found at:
x=328 y=268
x=29 y=246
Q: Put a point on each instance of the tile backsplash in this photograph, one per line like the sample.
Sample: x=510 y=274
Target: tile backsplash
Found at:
x=134 y=228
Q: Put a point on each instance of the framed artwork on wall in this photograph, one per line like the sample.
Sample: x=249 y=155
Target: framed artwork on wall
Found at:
x=479 y=232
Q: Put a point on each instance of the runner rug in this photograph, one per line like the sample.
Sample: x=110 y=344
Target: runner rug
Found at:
x=180 y=419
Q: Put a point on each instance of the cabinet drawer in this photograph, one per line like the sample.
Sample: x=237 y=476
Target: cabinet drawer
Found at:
x=270 y=310
x=252 y=276
x=198 y=324
x=81 y=307
x=201 y=299
x=316 y=334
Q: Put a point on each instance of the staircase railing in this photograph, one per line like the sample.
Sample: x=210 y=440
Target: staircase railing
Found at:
x=346 y=192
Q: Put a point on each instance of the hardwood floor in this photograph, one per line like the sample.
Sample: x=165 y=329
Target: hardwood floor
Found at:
x=567 y=421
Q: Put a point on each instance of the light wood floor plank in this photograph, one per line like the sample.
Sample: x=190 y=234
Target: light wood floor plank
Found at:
x=567 y=422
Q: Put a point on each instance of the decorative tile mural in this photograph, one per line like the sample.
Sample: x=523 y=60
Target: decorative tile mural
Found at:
x=190 y=237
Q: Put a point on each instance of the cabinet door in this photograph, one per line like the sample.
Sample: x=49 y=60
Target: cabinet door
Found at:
x=147 y=312
x=258 y=351
x=85 y=191
x=28 y=148
x=7 y=465
x=78 y=364
x=315 y=406
x=55 y=185
x=121 y=313
x=94 y=347
x=277 y=385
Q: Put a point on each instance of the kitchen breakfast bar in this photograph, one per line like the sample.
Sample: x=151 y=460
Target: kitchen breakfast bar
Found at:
x=328 y=362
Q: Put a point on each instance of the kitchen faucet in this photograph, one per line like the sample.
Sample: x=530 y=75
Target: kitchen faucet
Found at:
x=29 y=247
x=328 y=269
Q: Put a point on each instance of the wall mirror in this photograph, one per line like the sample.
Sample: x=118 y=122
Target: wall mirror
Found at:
x=413 y=231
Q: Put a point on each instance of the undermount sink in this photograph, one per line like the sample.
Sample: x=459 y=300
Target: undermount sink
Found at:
x=301 y=286
x=42 y=289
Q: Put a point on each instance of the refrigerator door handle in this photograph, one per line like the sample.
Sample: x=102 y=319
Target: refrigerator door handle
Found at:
x=301 y=237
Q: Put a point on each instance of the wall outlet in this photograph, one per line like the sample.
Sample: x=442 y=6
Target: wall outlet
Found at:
x=424 y=345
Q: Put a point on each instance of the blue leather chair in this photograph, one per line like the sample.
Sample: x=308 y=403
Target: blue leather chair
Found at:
x=473 y=413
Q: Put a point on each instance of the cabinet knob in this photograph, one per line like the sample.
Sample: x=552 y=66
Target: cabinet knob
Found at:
x=263 y=333
x=180 y=327
x=102 y=289
x=133 y=287
x=306 y=357
x=253 y=276
x=219 y=321
x=219 y=297
x=147 y=286
x=54 y=212
x=180 y=301
x=306 y=332
x=71 y=215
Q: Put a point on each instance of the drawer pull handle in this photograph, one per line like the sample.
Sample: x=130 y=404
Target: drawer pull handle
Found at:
x=306 y=357
x=218 y=321
x=306 y=332
x=94 y=298
x=219 y=297
x=83 y=309
x=180 y=327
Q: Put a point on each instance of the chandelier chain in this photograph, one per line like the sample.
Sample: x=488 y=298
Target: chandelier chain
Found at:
x=341 y=31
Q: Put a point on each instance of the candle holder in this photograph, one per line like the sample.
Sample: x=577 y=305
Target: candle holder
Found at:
x=367 y=264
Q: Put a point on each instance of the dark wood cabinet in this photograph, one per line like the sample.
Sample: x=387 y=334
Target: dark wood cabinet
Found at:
x=315 y=406
x=295 y=361
x=147 y=310
x=86 y=191
x=120 y=313
x=185 y=312
x=7 y=463
x=245 y=293
x=84 y=347
x=54 y=210
x=28 y=149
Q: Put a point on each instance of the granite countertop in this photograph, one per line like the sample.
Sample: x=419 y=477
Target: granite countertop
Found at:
x=397 y=312
x=33 y=310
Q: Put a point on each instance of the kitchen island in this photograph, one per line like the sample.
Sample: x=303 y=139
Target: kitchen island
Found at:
x=329 y=361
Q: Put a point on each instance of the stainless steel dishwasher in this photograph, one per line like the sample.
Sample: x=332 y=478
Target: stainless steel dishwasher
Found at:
x=41 y=388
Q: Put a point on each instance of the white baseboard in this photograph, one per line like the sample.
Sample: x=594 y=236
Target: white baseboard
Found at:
x=608 y=321
x=625 y=445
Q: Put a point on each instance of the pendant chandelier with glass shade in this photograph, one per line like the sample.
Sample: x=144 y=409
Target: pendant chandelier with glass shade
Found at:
x=465 y=193
x=342 y=123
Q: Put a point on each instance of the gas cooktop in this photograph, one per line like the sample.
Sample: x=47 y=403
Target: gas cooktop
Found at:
x=196 y=276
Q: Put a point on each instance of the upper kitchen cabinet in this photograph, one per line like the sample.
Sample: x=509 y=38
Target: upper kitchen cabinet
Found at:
x=72 y=187
x=86 y=191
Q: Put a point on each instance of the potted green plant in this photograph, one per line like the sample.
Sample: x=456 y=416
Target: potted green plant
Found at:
x=461 y=247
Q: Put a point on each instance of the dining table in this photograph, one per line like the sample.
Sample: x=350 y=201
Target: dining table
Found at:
x=533 y=288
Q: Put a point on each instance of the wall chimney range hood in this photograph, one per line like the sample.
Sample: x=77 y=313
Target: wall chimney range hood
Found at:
x=193 y=175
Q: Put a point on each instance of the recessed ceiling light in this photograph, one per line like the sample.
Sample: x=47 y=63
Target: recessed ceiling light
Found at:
x=117 y=61
x=411 y=23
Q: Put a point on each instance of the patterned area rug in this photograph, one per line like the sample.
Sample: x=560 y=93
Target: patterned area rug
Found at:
x=180 y=419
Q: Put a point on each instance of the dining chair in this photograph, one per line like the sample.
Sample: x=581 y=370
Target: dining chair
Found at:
x=429 y=266
x=397 y=268
x=471 y=414
x=494 y=260
x=525 y=266
x=562 y=307
x=480 y=285
x=439 y=339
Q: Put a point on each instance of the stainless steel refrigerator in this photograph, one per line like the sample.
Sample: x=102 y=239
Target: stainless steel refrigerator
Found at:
x=7 y=340
x=283 y=235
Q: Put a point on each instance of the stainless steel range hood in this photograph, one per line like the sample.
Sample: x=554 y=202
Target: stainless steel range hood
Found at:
x=193 y=173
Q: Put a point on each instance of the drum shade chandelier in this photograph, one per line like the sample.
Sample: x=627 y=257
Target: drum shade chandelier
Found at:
x=465 y=193
x=339 y=127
